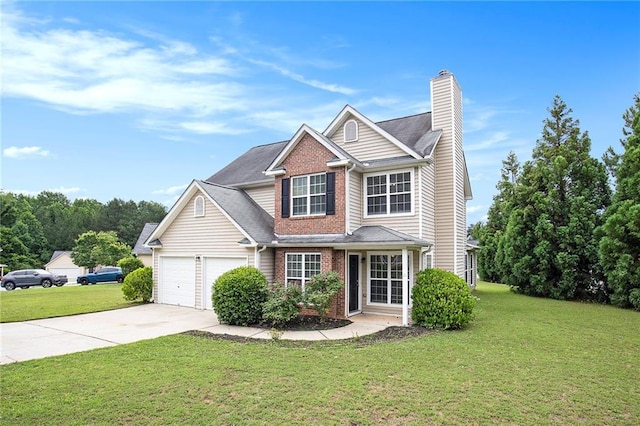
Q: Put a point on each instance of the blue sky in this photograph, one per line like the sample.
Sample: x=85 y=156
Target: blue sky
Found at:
x=133 y=100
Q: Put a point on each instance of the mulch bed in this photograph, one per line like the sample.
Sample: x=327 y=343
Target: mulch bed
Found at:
x=314 y=323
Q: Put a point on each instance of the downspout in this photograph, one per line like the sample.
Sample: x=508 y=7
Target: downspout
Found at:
x=256 y=260
x=347 y=203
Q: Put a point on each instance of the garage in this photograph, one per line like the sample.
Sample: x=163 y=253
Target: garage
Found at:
x=71 y=273
x=214 y=267
x=177 y=284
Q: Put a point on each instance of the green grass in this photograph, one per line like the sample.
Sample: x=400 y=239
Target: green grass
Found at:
x=38 y=302
x=522 y=361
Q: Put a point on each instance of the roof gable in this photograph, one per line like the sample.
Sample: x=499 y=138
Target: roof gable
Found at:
x=341 y=154
x=245 y=214
x=348 y=111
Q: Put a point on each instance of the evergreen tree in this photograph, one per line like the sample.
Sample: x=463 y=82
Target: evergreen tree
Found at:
x=490 y=258
x=620 y=242
x=549 y=245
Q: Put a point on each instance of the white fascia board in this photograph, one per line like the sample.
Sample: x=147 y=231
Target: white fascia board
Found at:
x=304 y=129
x=348 y=109
x=177 y=207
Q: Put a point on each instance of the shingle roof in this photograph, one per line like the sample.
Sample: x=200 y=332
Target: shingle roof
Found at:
x=56 y=254
x=413 y=131
x=252 y=218
x=140 y=248
x=365 y=235
x=249 y=166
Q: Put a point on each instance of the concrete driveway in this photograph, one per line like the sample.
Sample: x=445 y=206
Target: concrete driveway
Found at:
x=35 y=339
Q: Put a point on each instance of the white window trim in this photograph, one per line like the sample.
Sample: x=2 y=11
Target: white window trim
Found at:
x=388 y=253
x=302 y=279
x=387 y=173
x=308 y=196
x=357 y=131
x=195 y=207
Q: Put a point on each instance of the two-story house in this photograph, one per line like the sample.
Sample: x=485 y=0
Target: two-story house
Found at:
x=375 y=202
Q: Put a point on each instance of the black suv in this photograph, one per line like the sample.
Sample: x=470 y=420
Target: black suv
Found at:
x=26 y=278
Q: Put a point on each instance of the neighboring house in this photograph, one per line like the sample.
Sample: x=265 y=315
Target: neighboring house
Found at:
x=141 y=251
x=62 y=264
x=376 y=202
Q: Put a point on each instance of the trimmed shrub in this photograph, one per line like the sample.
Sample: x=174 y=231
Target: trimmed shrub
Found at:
x=238 y=296
x=282 y=304
x=129 y=264
x=138 y=284
x=441 y=299
x=320 y=290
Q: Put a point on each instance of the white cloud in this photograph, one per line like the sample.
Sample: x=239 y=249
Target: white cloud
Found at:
x=94 y=71
x=330 y=87
x=25 y=152
x=172 y=190
x=477 y=208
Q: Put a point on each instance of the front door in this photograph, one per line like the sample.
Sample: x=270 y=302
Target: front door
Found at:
x=354 y=284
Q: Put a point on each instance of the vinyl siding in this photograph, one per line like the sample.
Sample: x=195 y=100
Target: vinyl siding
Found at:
x=428 y=203
x=409 y=224
x=265 y=197
x=369 y=146
x=210 y=236
x=461 y=209
x=268 y=264
x=355 y=201
x=444 y=174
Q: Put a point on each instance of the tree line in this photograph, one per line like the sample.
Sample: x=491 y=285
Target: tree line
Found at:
x=565 y=225
x=33 y=227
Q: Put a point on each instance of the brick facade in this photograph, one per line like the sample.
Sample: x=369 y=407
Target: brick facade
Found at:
x=309 y=157
x=332 y=260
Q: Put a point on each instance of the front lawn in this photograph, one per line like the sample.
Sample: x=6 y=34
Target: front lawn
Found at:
x=38 y=302
x=522 y=361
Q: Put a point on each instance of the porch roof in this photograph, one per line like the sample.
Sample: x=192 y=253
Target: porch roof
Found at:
x=363 y=237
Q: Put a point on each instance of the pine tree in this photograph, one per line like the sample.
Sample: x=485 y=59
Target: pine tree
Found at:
x=620 y=242
x=490 y=264
x=549 y=246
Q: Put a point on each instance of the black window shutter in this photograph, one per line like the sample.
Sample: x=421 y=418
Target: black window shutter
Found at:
x=285 y=197
x=331 y=193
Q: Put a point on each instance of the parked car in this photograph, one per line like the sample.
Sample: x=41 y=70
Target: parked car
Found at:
x=104 y=275
x=26 y=278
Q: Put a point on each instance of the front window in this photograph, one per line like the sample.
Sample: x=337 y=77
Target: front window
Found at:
x=388 y=193
x=385 y=279
x=301 y=267
x=309 y=195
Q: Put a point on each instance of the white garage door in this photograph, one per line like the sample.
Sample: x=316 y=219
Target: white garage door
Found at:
x=214 y=267
x=71 y=273
x=177 y=281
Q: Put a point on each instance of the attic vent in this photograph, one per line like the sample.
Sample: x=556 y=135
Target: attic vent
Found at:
x=351 y=131
x=198 y=206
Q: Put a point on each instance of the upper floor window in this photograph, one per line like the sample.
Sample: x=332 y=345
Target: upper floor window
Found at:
x=309 y=195
x=388 y=193
x=350 y=131
x=198 y=206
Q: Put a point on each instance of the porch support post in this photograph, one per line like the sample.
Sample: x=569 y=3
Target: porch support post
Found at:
x=405 y=287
